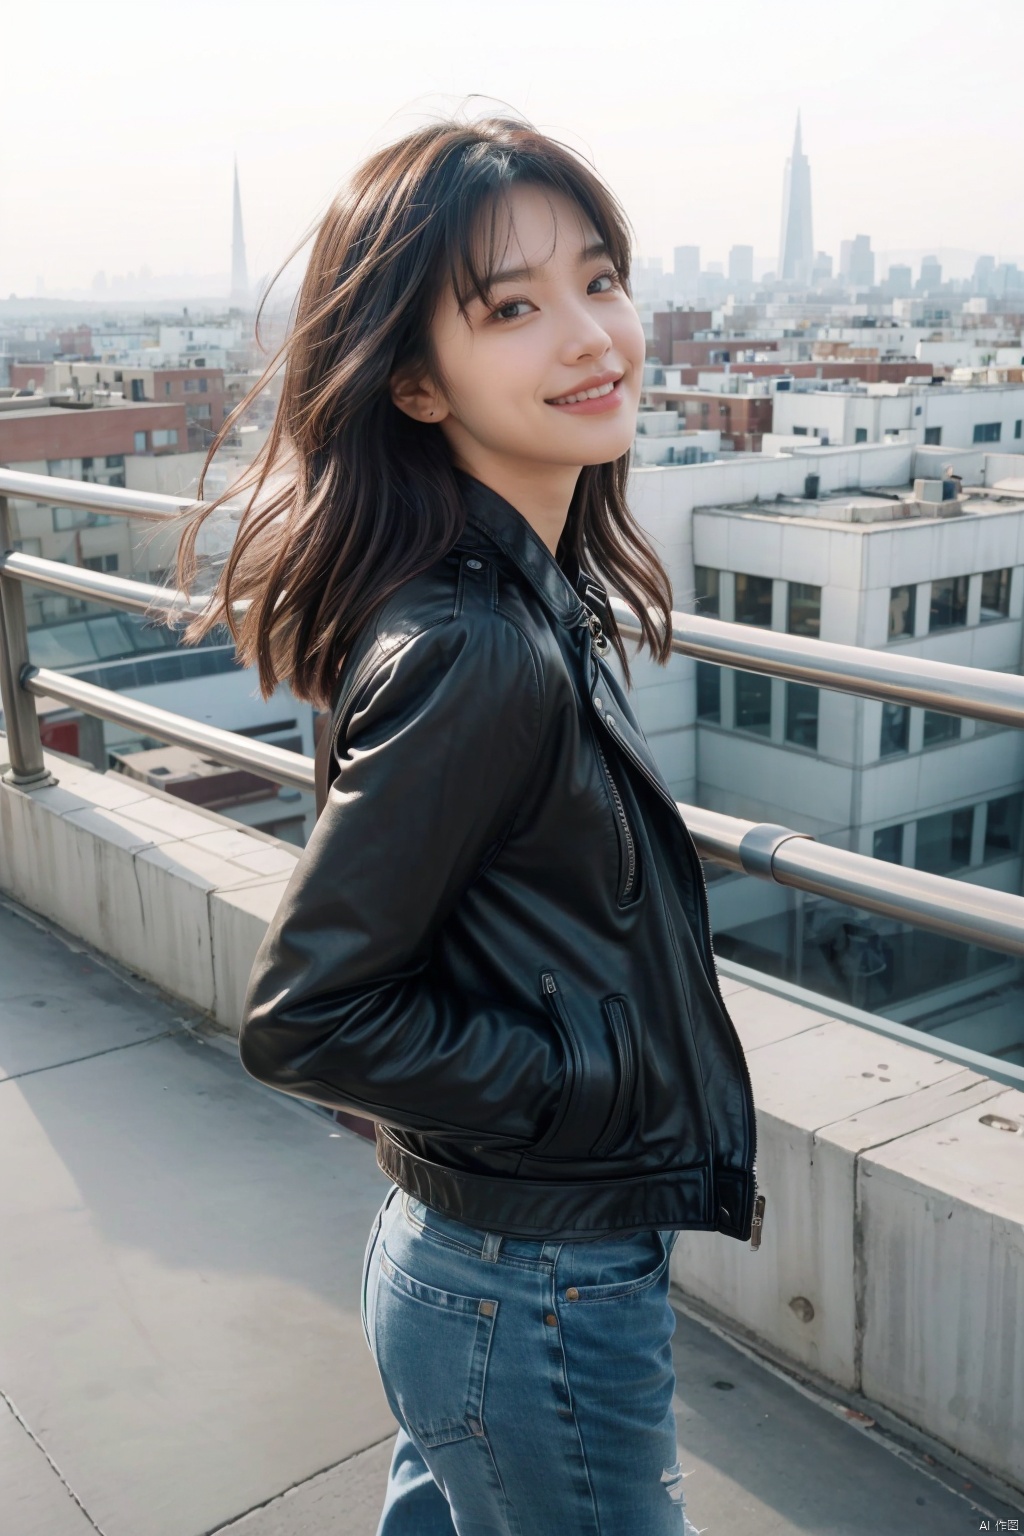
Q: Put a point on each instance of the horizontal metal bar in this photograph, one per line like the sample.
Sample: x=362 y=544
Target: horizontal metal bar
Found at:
x=99 y=586
x=971 y=913
x=270 y=762
x=113 y=500
x=997 y=697
x=994 y=696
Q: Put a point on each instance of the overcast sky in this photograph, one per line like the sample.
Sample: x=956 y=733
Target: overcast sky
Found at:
x=119 y=120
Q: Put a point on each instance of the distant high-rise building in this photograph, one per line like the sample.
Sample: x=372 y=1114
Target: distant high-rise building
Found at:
x=930 y=280
x=899 y=280
x=796 y=246
x=984 y=268
x=822 y=270
x=239 y=269
x=686 y=268
x=741 y=264
x=859 y=261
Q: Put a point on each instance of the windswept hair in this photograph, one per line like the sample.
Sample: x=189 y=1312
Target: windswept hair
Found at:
x=363 y=497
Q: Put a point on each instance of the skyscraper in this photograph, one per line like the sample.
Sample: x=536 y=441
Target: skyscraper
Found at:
x=796 y=245
x=741 y=264
x=239 y=269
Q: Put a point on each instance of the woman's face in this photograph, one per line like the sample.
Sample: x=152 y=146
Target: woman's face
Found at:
x=558 y=324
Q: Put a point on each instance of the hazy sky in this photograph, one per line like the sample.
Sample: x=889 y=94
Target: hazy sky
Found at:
x=119 y=120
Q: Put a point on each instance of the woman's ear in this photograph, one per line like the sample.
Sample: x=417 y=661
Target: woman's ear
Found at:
x=418 y=398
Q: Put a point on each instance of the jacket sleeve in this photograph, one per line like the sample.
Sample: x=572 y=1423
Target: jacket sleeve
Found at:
x=341 y=1006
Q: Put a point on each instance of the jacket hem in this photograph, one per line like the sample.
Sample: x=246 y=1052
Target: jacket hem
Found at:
x=676 y=1198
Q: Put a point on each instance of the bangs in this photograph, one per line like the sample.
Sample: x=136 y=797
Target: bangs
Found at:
x=479 y=226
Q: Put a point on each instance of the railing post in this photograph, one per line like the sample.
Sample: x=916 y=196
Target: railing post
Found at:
x=21 y=722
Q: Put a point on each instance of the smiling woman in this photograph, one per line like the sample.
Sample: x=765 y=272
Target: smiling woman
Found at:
x=463 y=257
x=499 y=922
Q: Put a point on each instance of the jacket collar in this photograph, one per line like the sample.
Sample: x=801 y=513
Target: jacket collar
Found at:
x=563 y=590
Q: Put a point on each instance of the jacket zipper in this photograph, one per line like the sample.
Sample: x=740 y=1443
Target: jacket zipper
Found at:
x=620 y=811
x=599 y=643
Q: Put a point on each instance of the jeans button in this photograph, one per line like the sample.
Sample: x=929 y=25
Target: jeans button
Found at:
x=572 y=1294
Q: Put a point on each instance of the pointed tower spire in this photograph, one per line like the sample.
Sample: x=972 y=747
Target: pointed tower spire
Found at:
x=239 y=269
x=796 y=243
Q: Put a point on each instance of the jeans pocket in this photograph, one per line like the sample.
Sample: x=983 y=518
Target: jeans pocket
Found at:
x=432 y=1349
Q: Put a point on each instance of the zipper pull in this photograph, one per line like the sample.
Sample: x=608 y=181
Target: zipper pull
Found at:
x=758 y=1222
x=547 y=981
x=598 y=638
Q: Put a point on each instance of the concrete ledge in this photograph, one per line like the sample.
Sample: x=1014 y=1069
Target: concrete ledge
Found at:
x=892 y=1257
x=176 y=893
x=892 y=1261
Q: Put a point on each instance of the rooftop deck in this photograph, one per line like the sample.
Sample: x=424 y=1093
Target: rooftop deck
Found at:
x=180 y=1346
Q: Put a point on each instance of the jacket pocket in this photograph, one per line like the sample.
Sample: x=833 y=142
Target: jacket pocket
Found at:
x=573 y=1062
x=614 y=1009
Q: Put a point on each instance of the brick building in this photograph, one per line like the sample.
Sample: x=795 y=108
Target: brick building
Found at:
x=46 y=434
x=672 y=327
x=741 y=419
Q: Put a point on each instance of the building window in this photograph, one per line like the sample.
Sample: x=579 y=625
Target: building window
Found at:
x=895 y=730
x=1003 y=826
x=995 y=595
x=901 y=612
x=803 y=609
x=988 y=431
x=707 y=583
x=1017 y=426
x=887 y=844
x=754 y=600
x=944 y=841
x=802 y=715
x=860 y=434
x=165 y=437
x=709 y=692
x=140 y=442
x=203 y=386
x=100 y=562
x=191 y=385
x=114 y=461
x=949 y=603
x=799 y=432
x=933 y=437
x=167 y=388
x=939 y=727
x=753 y=703
x=66 y=518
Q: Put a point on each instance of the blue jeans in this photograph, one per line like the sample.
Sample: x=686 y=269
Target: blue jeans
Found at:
x=532 y=1381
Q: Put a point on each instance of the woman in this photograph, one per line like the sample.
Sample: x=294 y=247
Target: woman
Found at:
x=496 y=943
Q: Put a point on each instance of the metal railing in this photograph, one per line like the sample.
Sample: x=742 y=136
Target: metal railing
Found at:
x=954 y=908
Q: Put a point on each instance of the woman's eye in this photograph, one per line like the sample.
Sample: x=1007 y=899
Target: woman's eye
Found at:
x=611 y=278
x=508 y=310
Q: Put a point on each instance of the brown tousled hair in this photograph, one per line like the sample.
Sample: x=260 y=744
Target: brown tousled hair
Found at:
x=368 y=497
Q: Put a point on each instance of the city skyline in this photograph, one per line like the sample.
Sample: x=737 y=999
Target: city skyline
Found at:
x=907 y=142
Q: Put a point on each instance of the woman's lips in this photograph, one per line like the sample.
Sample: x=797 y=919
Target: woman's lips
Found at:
x=596 y=407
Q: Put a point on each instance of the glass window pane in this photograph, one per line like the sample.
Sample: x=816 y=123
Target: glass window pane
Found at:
x=803 y=615
x=753 y=703
x=949 y=603
x=944 y=841
x=707 y=584
x=802 y=715
x=895 y=729
x=887 y=844
x=901 y=612
x=754 y=600
x=995 y=595
x=1003 y=826
x=939 y=727
x=62 y=645
x=709 y=691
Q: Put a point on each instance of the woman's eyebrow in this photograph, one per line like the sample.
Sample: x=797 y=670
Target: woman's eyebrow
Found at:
x=513 y=274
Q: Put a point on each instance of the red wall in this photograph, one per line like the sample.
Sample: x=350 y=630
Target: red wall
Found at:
x=57 y=432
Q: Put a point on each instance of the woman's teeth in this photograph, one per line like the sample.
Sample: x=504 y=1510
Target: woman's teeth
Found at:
x=586 y=394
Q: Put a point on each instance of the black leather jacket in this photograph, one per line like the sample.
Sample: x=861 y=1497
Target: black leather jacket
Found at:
x=496 y=941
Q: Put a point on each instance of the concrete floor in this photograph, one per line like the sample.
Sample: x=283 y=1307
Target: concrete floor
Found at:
x=180 y=1346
